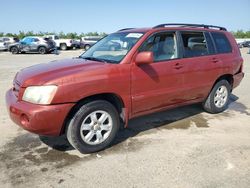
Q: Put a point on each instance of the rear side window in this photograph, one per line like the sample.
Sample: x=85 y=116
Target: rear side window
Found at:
x=194 y=44
x=221 y=42
x=6 y=39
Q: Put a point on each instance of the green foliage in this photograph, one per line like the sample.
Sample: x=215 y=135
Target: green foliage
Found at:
x=241 y=34
x=74 y=35
x=71 y=35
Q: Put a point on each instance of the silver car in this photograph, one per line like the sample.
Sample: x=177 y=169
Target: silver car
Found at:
x=33 y=44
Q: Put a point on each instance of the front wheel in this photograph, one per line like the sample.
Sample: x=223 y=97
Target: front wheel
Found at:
x=218 y=99
x=93 y=127
x=14 y=50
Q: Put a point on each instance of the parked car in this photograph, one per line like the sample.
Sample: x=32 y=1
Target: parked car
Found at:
x=3 y=45
x=89 y=98
x=88 y=41
x=32 y=44
x=6 y=41
x=244 y=44
x=64 y=44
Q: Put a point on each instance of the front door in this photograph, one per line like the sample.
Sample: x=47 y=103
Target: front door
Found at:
x=158 y=84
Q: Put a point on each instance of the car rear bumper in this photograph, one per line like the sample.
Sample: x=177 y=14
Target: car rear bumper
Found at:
x=237 y=79
x=39 y=119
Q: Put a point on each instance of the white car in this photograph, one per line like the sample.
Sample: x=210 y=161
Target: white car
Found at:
x=64 y=44
x=6 y=41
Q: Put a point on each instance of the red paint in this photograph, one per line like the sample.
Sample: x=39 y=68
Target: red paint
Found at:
x=143 y=88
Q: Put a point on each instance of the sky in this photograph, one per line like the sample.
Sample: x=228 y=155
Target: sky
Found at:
x=111 y=15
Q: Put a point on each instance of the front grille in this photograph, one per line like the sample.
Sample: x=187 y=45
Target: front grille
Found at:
x=16 y=88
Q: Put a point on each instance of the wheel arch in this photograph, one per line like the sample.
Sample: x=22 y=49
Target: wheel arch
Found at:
x=113 y=98
x=9 y=47
x=42 y=46
x=227 y=77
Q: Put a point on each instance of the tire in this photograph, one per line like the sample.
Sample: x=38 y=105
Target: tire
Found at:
x=87 y=46
x=218 y=99
x=88 y=132
x=63 y=46
x=42 y=50
x=14 y=50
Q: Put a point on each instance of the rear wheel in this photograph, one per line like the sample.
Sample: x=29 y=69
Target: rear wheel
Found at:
x=87 y=46
x=218 y=99
x=42 y=50
x=14 y=50
x=93 y=127
x=63 y=46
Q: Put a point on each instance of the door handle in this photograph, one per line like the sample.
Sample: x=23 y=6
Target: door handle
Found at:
x=178 y=66
x=215 y=60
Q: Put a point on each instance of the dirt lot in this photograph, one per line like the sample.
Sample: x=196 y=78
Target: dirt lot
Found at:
x=185 y=147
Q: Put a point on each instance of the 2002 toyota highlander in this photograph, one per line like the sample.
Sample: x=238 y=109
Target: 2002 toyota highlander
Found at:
x=127 y=74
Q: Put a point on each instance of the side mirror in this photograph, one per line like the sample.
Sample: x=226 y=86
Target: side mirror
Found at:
x=144 y=58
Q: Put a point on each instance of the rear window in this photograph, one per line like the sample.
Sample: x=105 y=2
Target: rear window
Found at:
x=221 y=42
x=194 y=44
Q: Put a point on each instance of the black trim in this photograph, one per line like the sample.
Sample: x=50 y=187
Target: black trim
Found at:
x=210 y=43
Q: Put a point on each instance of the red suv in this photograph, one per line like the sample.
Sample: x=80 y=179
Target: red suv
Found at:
x=127 y=74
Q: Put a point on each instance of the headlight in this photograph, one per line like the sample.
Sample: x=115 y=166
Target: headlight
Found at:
x=39 y=94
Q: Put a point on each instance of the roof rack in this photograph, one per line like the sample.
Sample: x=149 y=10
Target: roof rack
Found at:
x=190 y=25
x=125 y=29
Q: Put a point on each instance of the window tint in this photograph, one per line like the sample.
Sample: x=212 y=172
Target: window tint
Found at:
x=6 y=39
x=26 y=39
x=163 y=46
x=194 y=44
x=222 y=43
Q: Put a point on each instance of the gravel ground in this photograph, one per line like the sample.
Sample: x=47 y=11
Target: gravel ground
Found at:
x=184 y=147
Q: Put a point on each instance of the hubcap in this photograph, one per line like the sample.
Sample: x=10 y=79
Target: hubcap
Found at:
x=220 y=97
x=42 y=50
x=96 y=127
x=14 y=50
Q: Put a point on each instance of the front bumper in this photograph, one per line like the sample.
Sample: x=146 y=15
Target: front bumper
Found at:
x=39 y=119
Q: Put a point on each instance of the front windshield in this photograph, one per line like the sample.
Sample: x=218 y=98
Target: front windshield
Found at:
x=113 y=48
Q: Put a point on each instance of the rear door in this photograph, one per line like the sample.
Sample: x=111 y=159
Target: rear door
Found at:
x=159 y=84
x=202 y=64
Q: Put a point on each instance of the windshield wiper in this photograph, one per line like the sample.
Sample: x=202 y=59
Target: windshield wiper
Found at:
x=93 y=59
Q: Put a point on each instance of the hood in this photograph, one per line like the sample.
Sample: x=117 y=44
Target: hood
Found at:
x=53 y=71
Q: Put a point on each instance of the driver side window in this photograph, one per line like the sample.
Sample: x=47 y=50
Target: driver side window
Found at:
x=163 y=46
